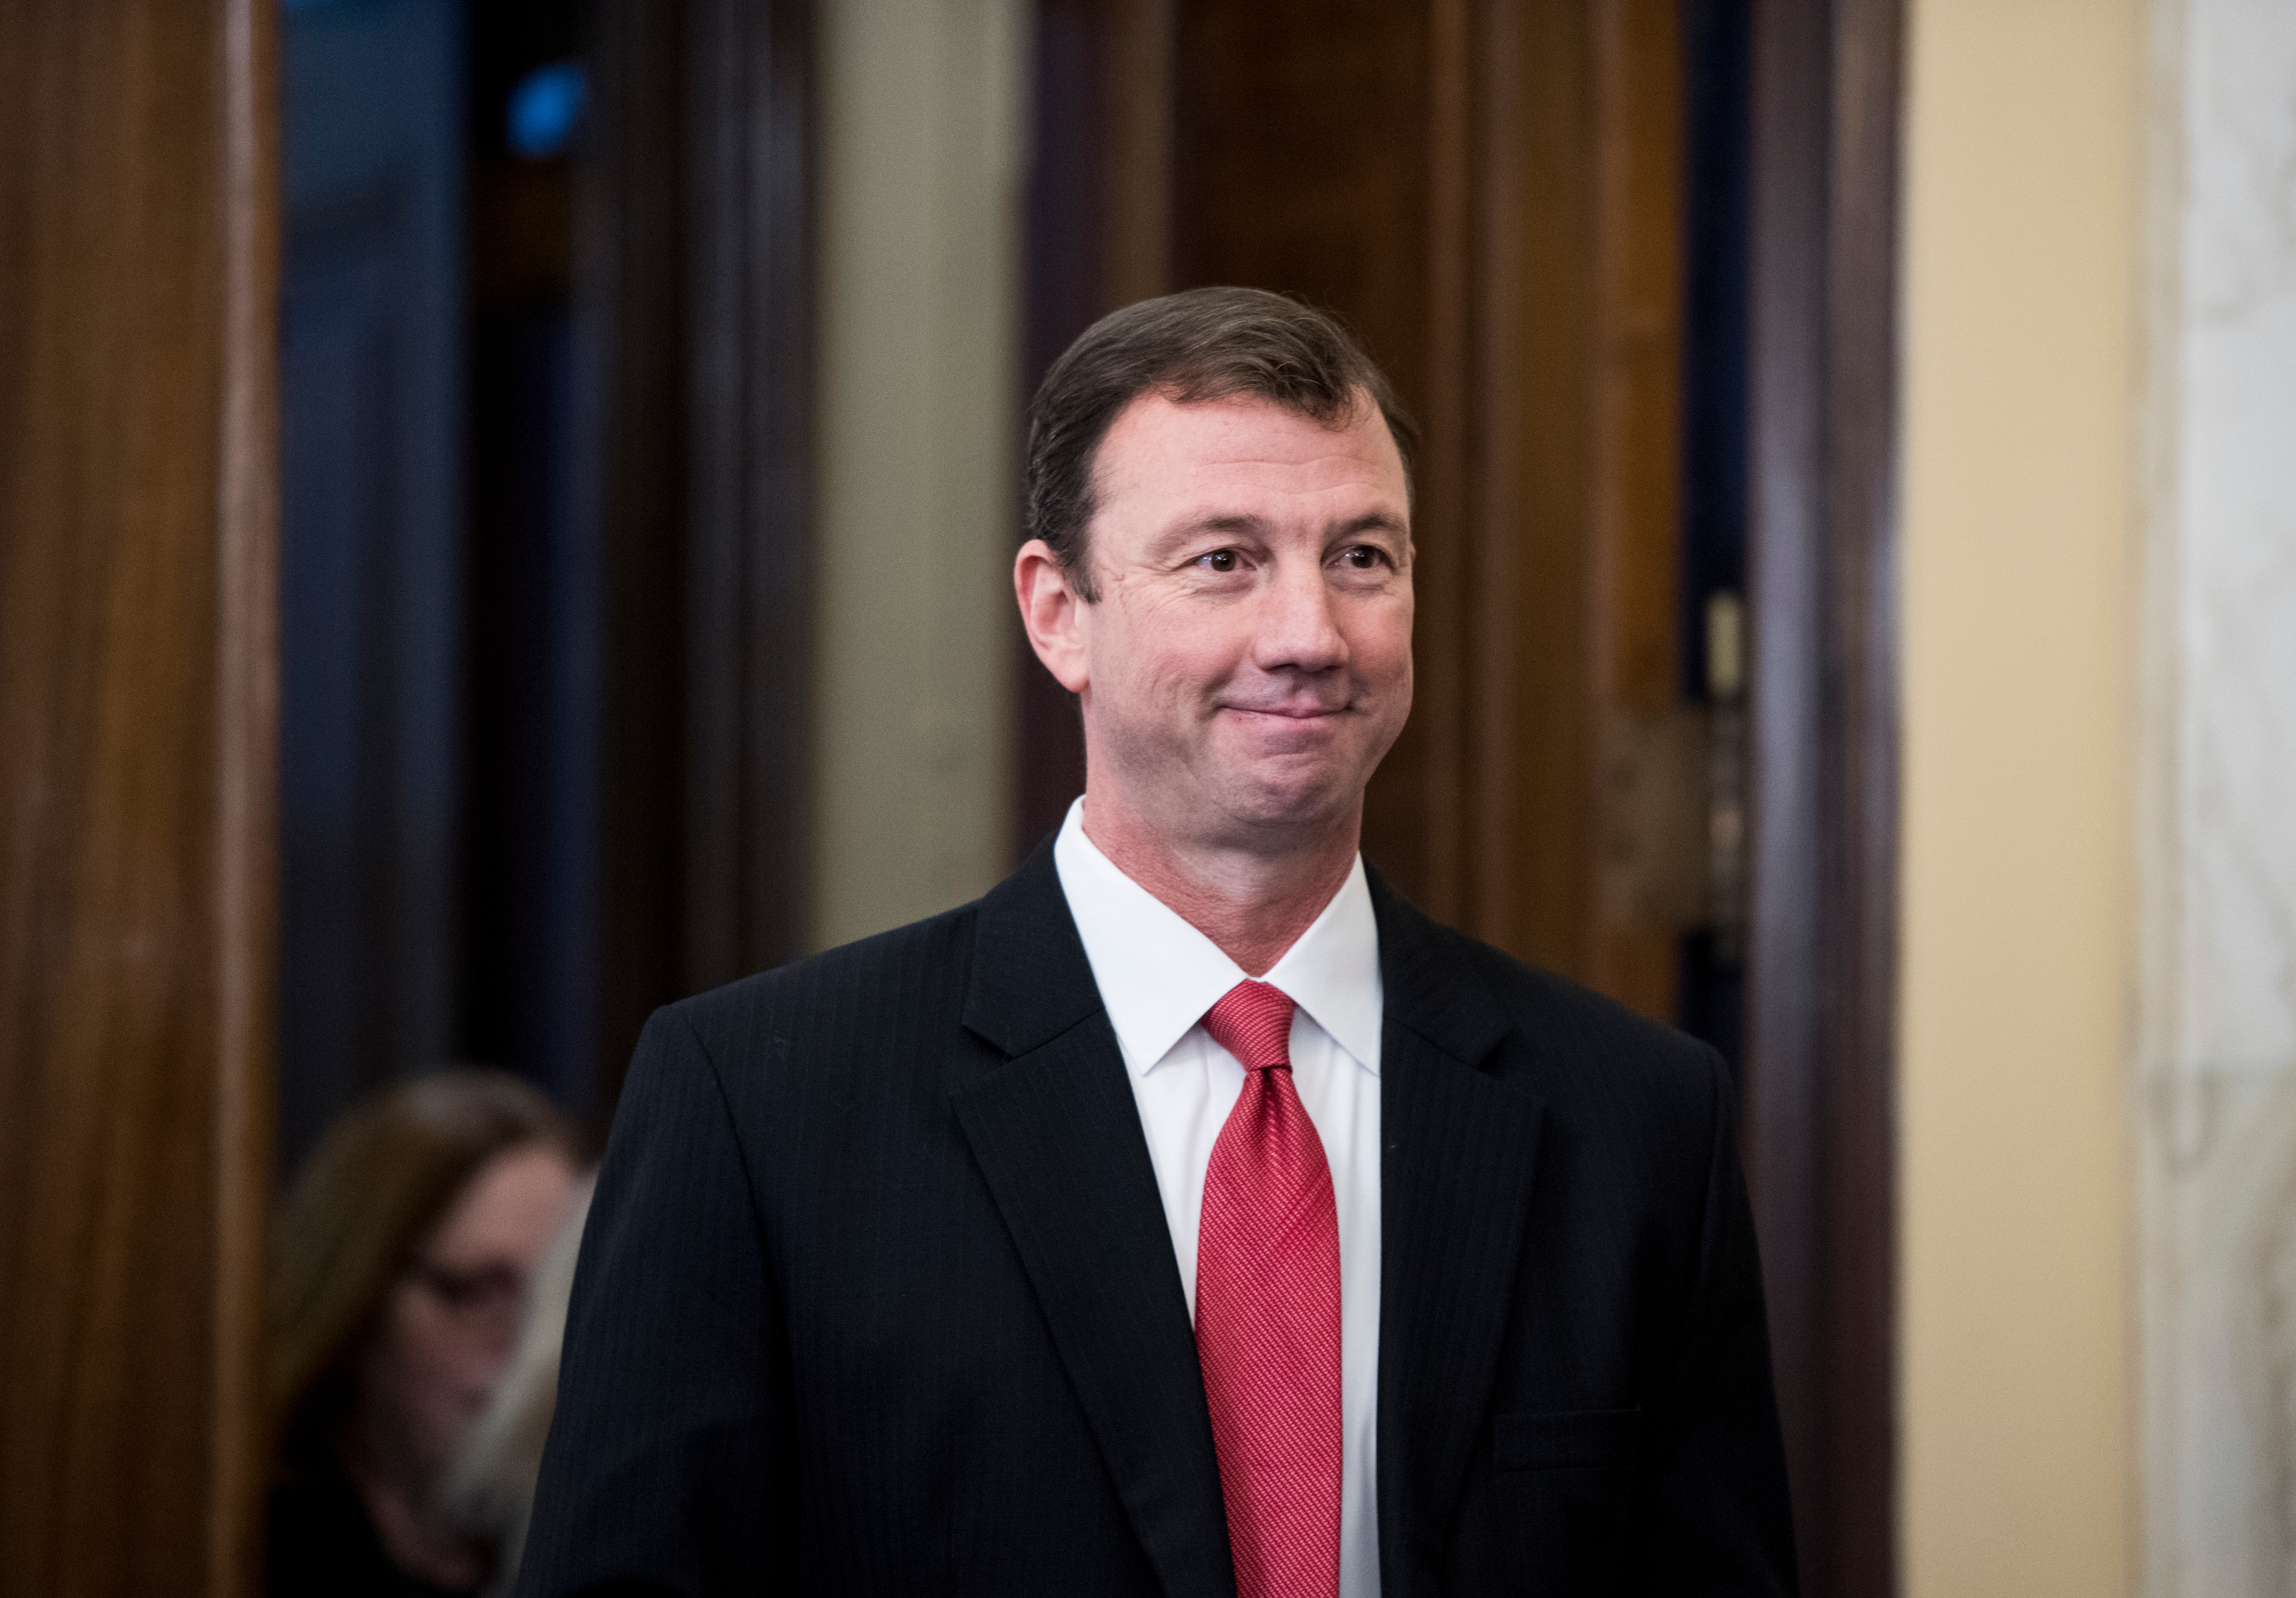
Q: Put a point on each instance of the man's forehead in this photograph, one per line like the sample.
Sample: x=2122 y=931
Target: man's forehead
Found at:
x=1158 y=443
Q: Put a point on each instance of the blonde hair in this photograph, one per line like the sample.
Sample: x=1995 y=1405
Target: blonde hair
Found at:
x=381 y=1179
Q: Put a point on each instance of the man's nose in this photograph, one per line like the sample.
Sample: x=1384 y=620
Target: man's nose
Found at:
x=1298 y=629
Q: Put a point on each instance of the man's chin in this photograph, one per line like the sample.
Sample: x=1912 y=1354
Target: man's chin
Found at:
x=1289 y=809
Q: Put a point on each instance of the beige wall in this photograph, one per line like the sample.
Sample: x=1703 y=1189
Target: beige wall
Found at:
x=2020 y=351
x=922 y=129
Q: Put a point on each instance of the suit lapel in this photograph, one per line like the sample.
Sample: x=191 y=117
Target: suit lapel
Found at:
x=1056 y=1132
x=1459 y=1148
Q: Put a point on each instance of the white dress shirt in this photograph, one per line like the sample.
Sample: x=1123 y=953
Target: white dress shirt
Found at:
x=1158 y=975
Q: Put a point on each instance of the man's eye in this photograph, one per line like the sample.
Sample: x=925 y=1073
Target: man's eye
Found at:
x=1363 y=557
x=1219 y=560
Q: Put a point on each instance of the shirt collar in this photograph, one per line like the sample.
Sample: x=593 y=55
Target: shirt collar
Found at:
x=1158 y=975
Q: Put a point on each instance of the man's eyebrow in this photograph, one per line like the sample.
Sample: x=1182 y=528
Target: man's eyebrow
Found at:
x=1195 y=527
x=1373 y=522
x=1370 y=521
x=1234 y=522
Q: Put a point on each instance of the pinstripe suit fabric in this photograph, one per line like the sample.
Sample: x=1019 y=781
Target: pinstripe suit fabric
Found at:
x=878 y=1296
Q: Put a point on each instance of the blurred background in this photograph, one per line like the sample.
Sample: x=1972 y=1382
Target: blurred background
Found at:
x=507 y=506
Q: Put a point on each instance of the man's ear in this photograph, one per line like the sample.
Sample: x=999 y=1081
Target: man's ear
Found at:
x=1052 y=612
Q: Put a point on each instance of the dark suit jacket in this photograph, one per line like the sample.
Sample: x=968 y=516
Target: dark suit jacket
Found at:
x=877 y=1295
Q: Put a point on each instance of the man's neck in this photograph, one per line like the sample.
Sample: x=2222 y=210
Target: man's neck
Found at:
x=1251 y=903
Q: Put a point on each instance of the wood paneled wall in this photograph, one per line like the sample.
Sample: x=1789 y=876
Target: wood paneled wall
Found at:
x=137 y=703
x=1573 y=517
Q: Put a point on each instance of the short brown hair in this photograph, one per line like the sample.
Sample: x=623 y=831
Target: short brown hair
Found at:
x=1193 y=346
x=381 y=1179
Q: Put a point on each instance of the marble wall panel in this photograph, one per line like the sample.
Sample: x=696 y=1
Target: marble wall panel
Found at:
x=2216 y=1035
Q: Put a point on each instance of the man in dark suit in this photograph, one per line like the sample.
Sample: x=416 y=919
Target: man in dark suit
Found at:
x=1191 y=1214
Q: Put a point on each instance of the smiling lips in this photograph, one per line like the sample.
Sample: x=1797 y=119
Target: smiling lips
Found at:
x=1287 y=713
x=1285 y=721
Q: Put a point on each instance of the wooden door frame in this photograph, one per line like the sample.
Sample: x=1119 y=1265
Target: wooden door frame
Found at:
x=139 y=502
x=695 y=274
x=1820 y=1130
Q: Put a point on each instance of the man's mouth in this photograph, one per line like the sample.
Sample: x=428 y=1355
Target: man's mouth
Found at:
x=1289 y=712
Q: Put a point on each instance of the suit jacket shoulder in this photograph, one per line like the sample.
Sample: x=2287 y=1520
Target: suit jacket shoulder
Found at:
x=906 y=978
x=1582 y=1052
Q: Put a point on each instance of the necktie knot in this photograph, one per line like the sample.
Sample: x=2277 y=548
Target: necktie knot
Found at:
x=1253 y=1022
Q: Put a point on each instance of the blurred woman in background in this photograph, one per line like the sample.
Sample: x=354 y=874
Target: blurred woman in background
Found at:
x=401 y=1262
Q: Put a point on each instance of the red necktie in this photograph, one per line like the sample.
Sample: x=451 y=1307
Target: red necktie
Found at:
x=1267 y=1314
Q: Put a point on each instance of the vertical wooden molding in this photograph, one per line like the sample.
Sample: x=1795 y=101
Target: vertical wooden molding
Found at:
x=1784 y=475
x=1862 y=841
x=1635 y=495
x=696 y=230
x=1543 y=911
x=247 y=764
x=748 y=491
x=658 y=915
x=1484 y=805
x=138 y=550
x=716 y=178
x=1441 y=512
x=1822 y=954
x=778 y=221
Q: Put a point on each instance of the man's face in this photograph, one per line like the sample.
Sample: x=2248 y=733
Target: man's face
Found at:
x=1249 y=661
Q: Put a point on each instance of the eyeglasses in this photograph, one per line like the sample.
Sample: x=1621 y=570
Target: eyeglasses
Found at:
x=489 y=1294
